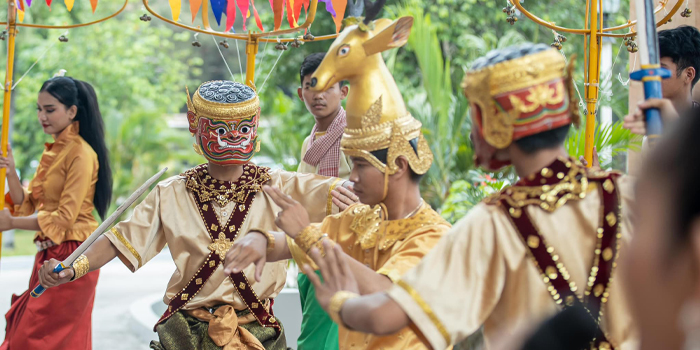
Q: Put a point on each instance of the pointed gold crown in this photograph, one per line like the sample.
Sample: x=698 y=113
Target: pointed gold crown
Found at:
x=377 y=132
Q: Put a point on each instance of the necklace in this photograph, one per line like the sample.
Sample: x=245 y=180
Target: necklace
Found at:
x=420 y=205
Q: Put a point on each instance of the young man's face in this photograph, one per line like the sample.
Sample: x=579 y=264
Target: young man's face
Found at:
x=324 y=103
x=676 y=85
x=368 y=181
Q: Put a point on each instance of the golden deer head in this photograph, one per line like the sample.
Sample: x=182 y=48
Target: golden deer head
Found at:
x=355 y=57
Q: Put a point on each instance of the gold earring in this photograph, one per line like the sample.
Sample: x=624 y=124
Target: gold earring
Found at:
x=197 y=149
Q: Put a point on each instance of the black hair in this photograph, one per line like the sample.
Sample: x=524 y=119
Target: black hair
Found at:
x=71 y=92
x=674 y=164
x=544 y=140
x=682 y=45
x=382 y=154
x=310 y=64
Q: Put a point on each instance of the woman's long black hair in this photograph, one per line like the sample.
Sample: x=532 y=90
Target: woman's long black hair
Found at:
x=72 y=92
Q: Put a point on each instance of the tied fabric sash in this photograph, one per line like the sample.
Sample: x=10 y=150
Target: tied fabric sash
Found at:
x=222 y=240
x=325 y=152
x=554 y=273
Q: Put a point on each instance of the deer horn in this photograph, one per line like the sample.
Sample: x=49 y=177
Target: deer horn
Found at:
x=355 y=8
x=372 y=9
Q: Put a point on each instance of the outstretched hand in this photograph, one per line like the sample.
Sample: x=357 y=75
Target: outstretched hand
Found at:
x=250 y=249
x=596 y=160
x=343 y=197
x=636 y=122
x=293 y=218
x=8 y=162
x=336 y=273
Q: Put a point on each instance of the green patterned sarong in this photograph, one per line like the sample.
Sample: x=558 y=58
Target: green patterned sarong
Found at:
x=184 y=332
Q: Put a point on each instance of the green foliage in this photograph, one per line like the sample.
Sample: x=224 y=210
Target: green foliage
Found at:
x=282 y=137
x=139 y=72
x=609 y=138
x=439 y=106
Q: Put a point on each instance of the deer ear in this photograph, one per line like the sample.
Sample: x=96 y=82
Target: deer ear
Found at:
x=394 y=35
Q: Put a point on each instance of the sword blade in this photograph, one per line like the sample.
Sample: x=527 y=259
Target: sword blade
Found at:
x=112 y=218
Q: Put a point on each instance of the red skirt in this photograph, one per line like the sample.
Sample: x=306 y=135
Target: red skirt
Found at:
x=60 y=319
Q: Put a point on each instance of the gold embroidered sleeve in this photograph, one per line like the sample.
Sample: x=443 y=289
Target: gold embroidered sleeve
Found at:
x=141 y=237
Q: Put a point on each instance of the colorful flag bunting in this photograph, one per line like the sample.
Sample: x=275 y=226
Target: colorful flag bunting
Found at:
x=243 y=9
x=231 y=15
x=329 y=7
x=278 y=11
x=257 y=17
x=218 y=7
x=195 y=5
x=174 y=8
x=339 y=7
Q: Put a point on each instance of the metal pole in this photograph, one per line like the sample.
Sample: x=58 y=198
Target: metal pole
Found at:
x=592 y=81
x=251 y=50
x=9 y=69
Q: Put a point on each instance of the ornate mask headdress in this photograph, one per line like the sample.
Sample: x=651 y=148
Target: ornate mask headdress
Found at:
x=377 y=117
x=223 y=116
x=519 y=97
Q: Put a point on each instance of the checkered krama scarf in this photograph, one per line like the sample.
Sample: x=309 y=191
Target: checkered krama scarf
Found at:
x=325 y=151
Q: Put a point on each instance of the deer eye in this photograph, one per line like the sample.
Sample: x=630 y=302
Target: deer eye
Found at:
x=344 y=50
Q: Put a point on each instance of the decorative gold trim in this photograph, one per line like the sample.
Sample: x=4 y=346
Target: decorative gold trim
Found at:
x=573 y=186
x=426 y=309
x=336 y=305
x=81 y=266
x=128 y=245
x=392 y=274
x=329 y=203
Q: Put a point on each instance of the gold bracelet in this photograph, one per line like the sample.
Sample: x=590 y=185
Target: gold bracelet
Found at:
x=81 y=266
x=319 y=245
x=307 y=237
x=336 y=304
x=270 y=239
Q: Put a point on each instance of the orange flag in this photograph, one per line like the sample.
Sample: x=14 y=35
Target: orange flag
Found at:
x=278 y=10
x=194 y=8
x=339 y=7
x=93 y=3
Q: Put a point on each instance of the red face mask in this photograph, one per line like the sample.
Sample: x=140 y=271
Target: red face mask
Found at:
x=228 y=142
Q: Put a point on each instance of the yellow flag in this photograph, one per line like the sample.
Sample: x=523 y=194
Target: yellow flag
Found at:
x=69 y=4
x=20 y=15
x=175 y=8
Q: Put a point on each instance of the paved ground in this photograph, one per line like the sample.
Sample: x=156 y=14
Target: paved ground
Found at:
x=123 y=297
x=117 y=289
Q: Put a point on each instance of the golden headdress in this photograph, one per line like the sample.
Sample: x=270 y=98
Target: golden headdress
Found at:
x=521 y=96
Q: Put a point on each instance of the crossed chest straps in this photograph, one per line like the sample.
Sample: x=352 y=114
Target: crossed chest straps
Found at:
x=550 y=194
x=205 y=190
